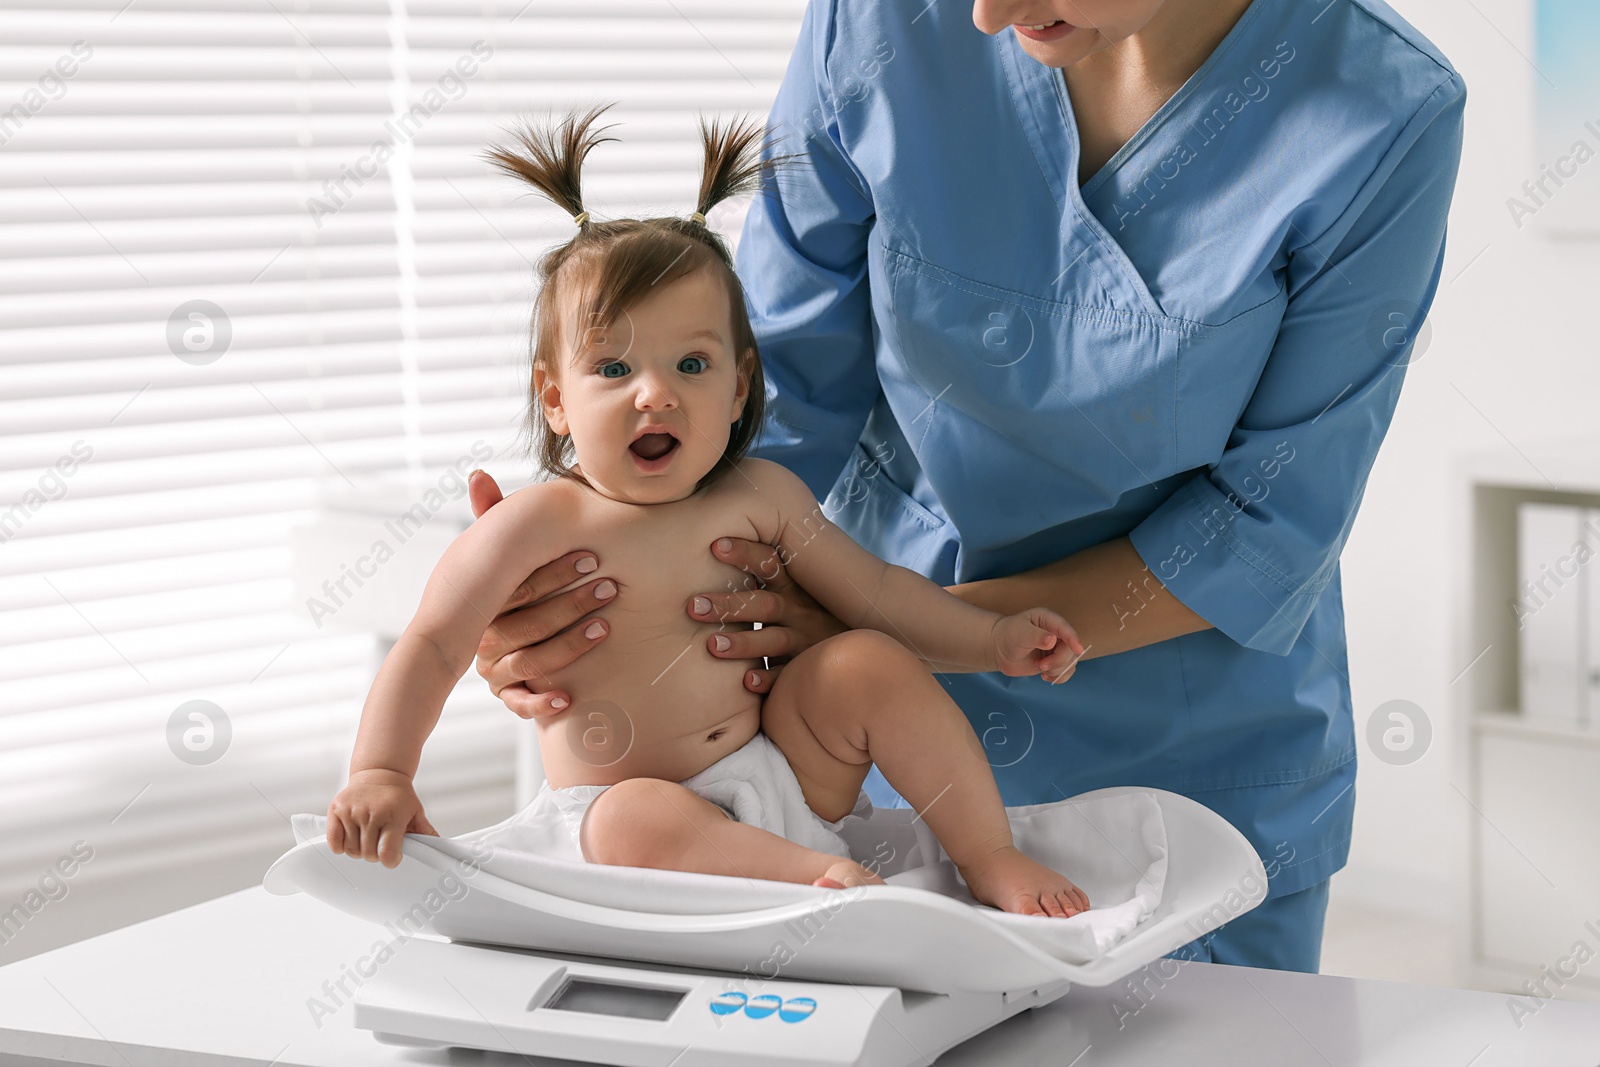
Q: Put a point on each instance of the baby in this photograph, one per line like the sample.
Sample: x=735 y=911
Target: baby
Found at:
x=645 y=369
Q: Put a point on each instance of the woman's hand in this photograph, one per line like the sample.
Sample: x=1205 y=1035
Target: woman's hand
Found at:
x=1036 y=641
x=372 y=814
x=534 y=633
x=791 y=621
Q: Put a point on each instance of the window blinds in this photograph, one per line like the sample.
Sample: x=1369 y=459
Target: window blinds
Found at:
x=249 y=256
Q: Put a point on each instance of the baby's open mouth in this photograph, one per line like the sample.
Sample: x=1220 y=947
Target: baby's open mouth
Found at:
x=654 y=445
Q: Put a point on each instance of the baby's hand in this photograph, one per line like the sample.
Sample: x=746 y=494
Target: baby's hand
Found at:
x=372 y=814
x=1036 y=641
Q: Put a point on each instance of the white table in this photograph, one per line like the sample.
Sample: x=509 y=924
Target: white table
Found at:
x=228 y=982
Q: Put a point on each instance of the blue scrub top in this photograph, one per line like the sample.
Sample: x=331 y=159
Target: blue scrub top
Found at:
x=982 y=368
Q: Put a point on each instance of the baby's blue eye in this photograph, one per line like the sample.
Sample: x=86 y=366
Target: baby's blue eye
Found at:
x=606 y=367
x=692 y=359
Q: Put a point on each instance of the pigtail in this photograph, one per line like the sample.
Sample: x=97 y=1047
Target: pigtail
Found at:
x=551 y=157
x=733 y=163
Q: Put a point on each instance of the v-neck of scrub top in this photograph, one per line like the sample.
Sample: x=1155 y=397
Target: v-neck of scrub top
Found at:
x=1057 y=145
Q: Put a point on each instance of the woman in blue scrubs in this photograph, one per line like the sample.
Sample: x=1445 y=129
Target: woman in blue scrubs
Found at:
x=1109 y=316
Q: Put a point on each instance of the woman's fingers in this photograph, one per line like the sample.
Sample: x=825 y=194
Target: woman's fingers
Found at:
x=520 y=627
x=557 y=574
x=537 y=624
x=791 y=620
x=756 y=558
x=755 y=605
x=760 y=681
x=769 y=641
x=483 y=491
x=521 y=679
x=532 y=663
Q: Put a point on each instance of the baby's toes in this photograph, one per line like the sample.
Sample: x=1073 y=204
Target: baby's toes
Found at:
x=1052 y=906
x=1027 y=904
x=1068 y=902
x=846 y=874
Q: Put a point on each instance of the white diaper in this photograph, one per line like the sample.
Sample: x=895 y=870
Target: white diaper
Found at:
x=754 y=784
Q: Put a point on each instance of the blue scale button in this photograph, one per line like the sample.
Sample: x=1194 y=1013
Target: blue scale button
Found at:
x=797 y=1010
x=727 y=1003
x=762 y=1006
x=793 y=1010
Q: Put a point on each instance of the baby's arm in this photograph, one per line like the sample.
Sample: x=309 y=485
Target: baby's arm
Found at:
x=865 y=592
x=476 y=574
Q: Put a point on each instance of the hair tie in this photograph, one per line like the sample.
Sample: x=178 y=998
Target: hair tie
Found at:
x=580 y=218
x=697 y=217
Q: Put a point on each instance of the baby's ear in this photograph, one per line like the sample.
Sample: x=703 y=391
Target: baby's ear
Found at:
x=547 y=394
x=741 y=394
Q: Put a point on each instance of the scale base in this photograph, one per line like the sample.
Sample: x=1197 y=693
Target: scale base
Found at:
x=435 y=994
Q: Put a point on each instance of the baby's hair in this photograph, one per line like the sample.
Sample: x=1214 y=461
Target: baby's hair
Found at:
x=611 y=265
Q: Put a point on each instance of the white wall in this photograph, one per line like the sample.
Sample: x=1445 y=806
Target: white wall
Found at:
x=1512 y=357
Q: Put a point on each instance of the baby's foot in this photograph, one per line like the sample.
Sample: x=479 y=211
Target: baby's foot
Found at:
x=845 y=874
x=1007 y=879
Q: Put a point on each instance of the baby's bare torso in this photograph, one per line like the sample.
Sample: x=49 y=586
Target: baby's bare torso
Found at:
x=650 y=701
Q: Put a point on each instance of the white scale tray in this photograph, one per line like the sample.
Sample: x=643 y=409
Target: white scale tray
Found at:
x=893 y=944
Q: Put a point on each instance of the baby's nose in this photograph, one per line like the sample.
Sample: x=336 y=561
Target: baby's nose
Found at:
x=654 y=395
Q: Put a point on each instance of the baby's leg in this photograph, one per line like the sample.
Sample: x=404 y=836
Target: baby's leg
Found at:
x=861 y=697
x=650 y=822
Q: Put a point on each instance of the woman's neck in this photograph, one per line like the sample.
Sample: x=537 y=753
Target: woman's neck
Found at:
x=1168 y=49
x=1117 y=89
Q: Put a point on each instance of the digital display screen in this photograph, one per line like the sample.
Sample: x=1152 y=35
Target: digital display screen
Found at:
x=603 y=998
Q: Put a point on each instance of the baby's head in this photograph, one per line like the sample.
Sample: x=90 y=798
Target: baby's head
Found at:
x=640 y=325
